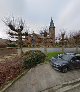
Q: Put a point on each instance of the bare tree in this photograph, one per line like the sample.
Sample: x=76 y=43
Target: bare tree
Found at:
x=16 y=27
x=76 y=37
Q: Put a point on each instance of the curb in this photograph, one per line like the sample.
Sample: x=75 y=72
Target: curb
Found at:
x=65 y=86
x=68 y=85
x=8 y=85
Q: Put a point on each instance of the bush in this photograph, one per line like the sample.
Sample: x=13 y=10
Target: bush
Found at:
x=32 y=58
x=12 y=45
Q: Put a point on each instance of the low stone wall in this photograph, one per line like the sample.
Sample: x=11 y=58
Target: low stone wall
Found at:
x=7 y=51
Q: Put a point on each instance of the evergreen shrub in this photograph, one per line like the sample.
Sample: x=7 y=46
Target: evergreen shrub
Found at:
x=32 y=58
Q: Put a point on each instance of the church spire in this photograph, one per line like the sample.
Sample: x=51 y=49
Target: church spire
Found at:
x=51 y=23
x=51 y=19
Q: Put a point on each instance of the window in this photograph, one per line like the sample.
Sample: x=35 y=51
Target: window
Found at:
x=73 y=59
x=77 y=57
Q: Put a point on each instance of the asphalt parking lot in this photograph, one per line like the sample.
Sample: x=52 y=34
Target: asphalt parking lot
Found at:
x=43 y=78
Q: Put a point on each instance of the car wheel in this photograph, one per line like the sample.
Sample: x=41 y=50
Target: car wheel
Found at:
x=64 y=69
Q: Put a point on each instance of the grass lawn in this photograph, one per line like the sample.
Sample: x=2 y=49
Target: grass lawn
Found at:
x=50 y=55
x=53 y=54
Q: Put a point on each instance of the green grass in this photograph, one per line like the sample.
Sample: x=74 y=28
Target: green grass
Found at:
x=53 y=54
x=50 y=55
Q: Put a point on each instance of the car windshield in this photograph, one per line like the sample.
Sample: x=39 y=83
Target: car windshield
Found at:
x=66 y=57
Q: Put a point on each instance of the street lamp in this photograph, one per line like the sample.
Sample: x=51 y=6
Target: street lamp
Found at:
x=45 y=41
x=33 y=40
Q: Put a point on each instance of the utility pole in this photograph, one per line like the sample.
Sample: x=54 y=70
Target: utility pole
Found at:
x=62 y=41
x=45 y=41
x=33 y=40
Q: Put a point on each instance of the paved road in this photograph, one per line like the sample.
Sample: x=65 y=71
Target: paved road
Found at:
x=43 y=78
x=52 y=49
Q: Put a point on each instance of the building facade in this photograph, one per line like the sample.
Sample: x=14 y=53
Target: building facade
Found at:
x=38 y=40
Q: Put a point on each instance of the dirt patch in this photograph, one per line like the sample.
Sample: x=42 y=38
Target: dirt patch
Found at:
x=7 y=51
x=7 y=57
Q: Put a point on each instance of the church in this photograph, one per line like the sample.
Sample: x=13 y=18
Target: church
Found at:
x=38 y=40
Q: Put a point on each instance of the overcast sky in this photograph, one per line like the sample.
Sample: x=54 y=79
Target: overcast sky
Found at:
x=37 y=14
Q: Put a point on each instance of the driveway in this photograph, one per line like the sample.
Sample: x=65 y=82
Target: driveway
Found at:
x=43 y=78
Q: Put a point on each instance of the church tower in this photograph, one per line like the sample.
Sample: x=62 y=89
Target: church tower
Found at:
x=52 y=31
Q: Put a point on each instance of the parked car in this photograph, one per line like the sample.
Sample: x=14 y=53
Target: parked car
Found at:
x=66 y=62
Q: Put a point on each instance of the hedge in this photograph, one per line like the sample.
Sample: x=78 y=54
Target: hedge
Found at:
x=32 y=58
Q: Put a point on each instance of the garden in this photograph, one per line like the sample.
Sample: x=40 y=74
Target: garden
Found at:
x=12 y=68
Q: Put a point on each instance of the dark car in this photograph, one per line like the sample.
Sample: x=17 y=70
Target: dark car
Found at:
x=66 y=62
